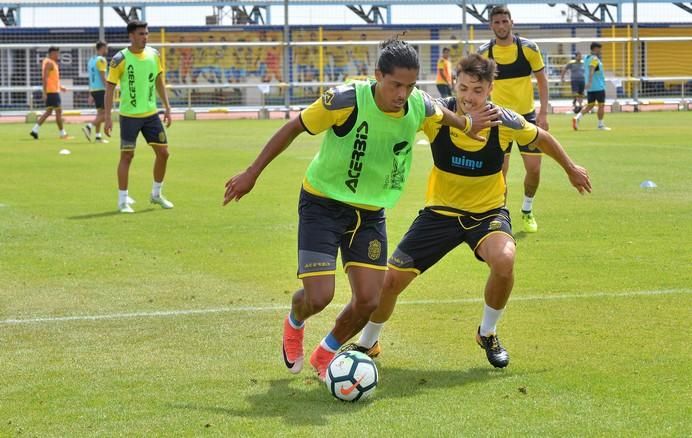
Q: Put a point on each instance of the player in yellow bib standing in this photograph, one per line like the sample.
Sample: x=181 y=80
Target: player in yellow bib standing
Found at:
x=139 y=71
x=50 y=74
x=516 y=59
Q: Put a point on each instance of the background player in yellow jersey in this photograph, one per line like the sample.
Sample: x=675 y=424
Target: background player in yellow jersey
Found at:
x=443 y=81
x=465 y=202
x=138 y=70
x=361 y=168
x=517 y=58
x=50 y=75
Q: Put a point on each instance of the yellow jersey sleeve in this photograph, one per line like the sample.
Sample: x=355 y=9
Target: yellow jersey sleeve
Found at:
x=594 y=62
x=117 y=68
x=101 y=64
x=332 y=109
x=514 y=127
x=433 y=117
x=533 y=55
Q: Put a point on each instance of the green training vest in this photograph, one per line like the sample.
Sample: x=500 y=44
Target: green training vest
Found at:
x=138 y=83
x=371 y=163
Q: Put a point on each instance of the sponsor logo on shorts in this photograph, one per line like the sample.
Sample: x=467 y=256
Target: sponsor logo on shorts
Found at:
x=374 y=249
x=316 y=265
x=162 y=137
x=494 y=225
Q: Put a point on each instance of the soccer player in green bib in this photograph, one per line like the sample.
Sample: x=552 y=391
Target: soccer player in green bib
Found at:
x=465 y=202
x=139 y=71
x=360 y=169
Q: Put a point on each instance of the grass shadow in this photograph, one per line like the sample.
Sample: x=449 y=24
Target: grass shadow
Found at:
x=312 y=405
x=106 y=214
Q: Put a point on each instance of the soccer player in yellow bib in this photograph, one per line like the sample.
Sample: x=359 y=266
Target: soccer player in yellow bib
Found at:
x=465 y=202
x=360 y=170
x=517 y=58
x=50 y=74
x=138 y=70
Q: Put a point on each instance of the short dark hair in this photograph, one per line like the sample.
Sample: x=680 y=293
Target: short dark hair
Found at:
x=595 y=45
x=136 y=24
x=477 y=66
x=397 y=53
x=499 y=10
x=446 y=49
x=53 y=49
x=100 y=44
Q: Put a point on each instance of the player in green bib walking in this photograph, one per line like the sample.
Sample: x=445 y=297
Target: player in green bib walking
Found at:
x=360 y=169
x=138 y=70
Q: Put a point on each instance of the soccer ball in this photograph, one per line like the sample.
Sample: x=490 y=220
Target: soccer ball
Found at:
x=351 y=376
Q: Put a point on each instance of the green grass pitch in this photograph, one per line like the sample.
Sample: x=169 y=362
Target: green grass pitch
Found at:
x=598 y=325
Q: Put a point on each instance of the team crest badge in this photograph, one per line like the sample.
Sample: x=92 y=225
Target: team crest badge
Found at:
x=494 y=225
x=162 y=137
x=374 y=249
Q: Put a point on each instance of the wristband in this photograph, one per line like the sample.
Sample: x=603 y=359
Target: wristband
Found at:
x=469 y=124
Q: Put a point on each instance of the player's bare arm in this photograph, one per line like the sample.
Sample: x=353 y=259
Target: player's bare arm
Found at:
x=46 y=70
x=578 y=176
x=542 y=81
x=480 y=119
x=241 y=184
x=107 y=107
x=592 y=70
x=161 y=90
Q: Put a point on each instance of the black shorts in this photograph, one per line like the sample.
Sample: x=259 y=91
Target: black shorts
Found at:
x=53 y=100
x=527 y=149
x=151 y=128
x=432 y=235
x=98 y=96
x=595 y=96
x=326 y=225
x=578 y=86
x=444 y=90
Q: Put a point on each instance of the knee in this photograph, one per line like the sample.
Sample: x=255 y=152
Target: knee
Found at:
x=126 y=158
x=533 y=167
x=394 y=283
x=365 y=306
x=502 y=264
x=163 y=153
x=318 y=300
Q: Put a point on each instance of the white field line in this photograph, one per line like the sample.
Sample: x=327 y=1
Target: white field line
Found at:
x=161 y=313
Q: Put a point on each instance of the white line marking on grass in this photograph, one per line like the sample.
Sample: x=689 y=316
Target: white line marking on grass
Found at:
x=273 y=308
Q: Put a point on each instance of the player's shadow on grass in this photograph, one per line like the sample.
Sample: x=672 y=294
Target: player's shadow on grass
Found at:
x=106 y=214
x=313 y=405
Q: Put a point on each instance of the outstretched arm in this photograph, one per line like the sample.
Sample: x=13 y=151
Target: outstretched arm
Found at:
x=241 y=184
x=577 y=175
x=472 y=122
